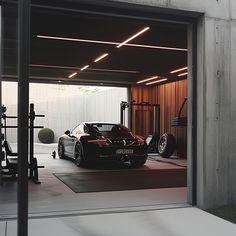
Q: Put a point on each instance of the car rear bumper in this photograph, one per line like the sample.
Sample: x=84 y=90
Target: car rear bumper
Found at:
x=119 y=158
x=109 y=154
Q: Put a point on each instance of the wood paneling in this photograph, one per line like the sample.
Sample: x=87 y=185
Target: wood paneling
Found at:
x=142 y=117
x=170 y=97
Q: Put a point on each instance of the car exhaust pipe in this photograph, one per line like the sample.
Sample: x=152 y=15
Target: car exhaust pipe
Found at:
x=124 y=158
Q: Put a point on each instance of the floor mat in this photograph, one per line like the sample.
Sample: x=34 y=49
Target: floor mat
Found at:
x=123 y=180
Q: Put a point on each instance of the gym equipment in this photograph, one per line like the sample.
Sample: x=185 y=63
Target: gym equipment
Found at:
x=167 y=142
x=180 y=121
x=54 y=155
x=33 y=166
x=11 y=163
x=151 y=139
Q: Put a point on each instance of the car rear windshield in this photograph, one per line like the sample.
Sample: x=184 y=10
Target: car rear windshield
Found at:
x=112 y=130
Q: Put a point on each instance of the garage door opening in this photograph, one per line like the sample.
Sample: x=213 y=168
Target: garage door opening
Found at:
x=148 y=58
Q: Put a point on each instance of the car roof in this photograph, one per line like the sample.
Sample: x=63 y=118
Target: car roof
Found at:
x=99 y=122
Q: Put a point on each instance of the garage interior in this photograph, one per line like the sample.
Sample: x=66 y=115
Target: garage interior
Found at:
x=84 y=48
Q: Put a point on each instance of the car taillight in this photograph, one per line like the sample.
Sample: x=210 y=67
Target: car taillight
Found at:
x=100 y=142
x=140 y=140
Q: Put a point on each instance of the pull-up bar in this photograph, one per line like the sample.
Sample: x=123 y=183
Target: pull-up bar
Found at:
x=129 y=105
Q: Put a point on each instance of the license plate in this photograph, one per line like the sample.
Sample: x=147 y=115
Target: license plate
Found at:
x=124 y=151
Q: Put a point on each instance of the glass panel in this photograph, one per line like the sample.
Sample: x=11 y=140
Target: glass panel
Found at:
x=8 y=94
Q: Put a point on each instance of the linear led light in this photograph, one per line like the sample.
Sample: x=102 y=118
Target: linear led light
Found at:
x=110 y=43
x=148 y=79
x=157 y=81
x=72 y=75
x=132 y=37
x=183 y=74
x=101 y=57
x=85 y=67
x=77 y=68
x=178 y=70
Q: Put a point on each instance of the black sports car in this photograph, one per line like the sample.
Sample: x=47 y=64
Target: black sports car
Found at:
x=95 y=141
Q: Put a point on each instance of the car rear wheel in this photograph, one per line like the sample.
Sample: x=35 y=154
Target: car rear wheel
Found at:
x=79 y=155
x=61 y=150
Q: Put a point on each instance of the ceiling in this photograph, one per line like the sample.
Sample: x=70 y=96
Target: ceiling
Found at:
x=53 y=60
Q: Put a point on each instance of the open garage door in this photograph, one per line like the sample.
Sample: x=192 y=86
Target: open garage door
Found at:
x=81 y=45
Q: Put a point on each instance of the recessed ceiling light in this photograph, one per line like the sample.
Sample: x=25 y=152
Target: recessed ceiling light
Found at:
x=85 y=67
x=183 y=74
x=178 y=70
x=111 y=43
x=132 y=37
x=157 y=81
x=148 y=79
x=72 y=75
x=101 y=57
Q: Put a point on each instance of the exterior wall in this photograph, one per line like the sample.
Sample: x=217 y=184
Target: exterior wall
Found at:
x=64 y=107
x=232 y=102
x=216 y=98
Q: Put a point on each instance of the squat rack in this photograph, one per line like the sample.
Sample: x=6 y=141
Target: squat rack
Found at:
x=129 y=105
x=33 y=166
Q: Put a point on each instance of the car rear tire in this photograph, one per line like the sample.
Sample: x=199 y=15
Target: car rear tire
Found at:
x=61 y=150
x=166 y=145
x=79 y=155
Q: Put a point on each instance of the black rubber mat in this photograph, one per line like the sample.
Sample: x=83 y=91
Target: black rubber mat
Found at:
x=123 y=180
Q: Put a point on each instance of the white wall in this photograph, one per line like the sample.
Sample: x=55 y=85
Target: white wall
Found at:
x=65 y=106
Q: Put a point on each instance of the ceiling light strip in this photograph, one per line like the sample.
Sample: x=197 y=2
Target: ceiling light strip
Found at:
x=132 y=37
x=72 y=75
x=101 y=57
x=183 y=74
x=84 y=68
x=118 y=71
x=111 y=43
x=75 y=39
x=77 y=68
x=178 y=70
x=148 y=79
x=156 y=47
x=157 y=81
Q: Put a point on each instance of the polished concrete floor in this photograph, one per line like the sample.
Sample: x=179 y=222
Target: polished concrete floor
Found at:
x=52 y=197
x=56 y=210
x=187 y=221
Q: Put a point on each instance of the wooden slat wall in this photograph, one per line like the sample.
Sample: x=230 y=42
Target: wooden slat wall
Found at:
x=170 y=97
x=140 y=126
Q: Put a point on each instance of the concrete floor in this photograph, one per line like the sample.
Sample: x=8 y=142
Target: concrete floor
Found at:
x=56 y=210
x=168 y=222
x=53 y=197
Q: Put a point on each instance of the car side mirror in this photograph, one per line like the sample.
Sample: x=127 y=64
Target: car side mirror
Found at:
x=67 y=132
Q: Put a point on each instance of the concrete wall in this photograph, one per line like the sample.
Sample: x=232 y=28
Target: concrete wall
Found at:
x=65 y=107
x=232 y=102
x=216 y=97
